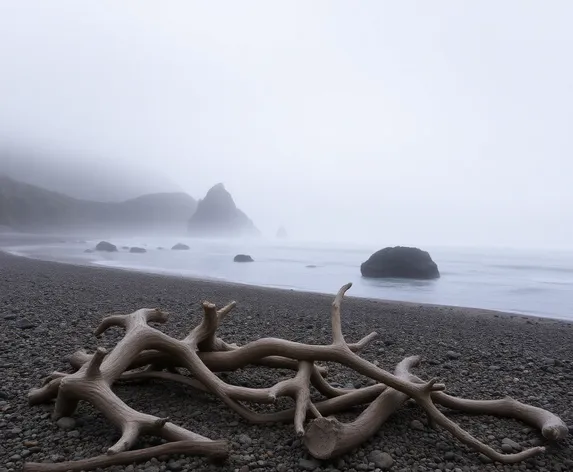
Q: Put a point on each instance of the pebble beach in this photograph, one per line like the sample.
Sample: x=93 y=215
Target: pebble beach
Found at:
x=49 y=310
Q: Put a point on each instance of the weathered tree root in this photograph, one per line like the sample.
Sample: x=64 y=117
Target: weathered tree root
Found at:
x=202 y=353
x=213 y=449
x=327 y=437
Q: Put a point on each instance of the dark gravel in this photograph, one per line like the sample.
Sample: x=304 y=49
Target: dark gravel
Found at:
x=49 y=310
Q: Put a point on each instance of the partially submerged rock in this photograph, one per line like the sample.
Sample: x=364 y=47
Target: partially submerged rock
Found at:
x=243 y=258
x=105 y=246
x=137 y=250
x=180 y=247
x=400 y=262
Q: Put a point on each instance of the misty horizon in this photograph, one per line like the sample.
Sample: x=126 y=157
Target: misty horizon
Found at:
x=404 y=124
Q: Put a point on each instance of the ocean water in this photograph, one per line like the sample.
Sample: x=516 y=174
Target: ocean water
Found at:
x=530 y=282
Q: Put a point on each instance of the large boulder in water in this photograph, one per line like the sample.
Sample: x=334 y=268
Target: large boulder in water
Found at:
x=105 y=246
x=243 y=258
x=400 y=262
x=137 y=250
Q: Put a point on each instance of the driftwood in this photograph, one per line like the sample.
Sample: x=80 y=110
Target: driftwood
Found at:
x=202 y=353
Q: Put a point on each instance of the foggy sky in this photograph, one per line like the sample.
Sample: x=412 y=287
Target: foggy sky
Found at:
x=425 y=123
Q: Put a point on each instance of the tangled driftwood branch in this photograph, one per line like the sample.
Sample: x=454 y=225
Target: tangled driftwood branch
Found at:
x=202 y=353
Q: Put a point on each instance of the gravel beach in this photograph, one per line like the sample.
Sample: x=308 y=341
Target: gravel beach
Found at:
x=49 y=310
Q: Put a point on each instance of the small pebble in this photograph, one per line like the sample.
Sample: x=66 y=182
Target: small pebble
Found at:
x=453 y=355
x=308 y=464
x=417 y=425
x=383 y=460
x=66 y=423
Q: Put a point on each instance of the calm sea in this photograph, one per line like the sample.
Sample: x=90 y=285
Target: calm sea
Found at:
x=522 y=281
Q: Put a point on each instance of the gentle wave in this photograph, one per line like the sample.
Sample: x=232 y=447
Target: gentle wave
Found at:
x=532 y=268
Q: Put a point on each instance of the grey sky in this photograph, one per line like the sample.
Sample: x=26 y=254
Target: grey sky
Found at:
x=444 y=122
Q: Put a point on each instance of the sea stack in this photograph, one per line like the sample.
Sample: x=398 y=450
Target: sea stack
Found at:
x=218 y=216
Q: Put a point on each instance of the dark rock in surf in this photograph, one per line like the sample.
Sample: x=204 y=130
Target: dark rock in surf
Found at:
x=400 y=262
x=180 y=247
x=243 y=258
x=105 y=246
x=137 y=250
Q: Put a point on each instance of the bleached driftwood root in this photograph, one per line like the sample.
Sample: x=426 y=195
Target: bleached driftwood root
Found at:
x=214 y=449
x=202 y=353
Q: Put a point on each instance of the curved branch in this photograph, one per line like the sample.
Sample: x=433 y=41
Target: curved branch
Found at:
x=462 y=435
x=360 y=345
x=337 y=336
x=44 y=394
x=337 y=404
x=138 y=318
x=223 y=312
x=109 y=321
x=80 y=357
x=550 y=425
x=213 y=449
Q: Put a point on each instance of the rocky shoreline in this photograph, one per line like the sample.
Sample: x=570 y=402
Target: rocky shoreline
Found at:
x=49 y=310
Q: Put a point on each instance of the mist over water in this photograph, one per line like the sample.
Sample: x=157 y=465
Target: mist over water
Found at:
x=405 y=122
x=442 y=125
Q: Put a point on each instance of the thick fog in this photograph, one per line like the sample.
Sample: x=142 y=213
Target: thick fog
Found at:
x=425 y=123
